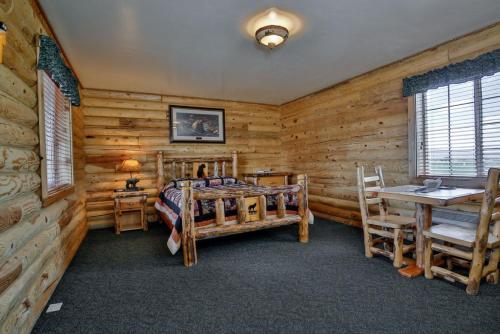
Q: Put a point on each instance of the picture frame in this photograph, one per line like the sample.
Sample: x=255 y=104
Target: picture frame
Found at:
x=197 y=125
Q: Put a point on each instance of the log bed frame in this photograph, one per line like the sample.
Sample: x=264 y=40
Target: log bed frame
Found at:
x=190 y=233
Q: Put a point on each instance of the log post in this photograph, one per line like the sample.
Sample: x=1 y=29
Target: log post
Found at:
x=242 y=210
x=262 y=207
x=480 y=244
x=216 y=168
x=424 y=222
x=160 y=172
x=183 y=169
x=428 y=258
x=219 y=211
x=364 y=211
x=223 y=168
x=188 y=229
x=302 y=199
x=281 y=210
x=398 y=248
x=174 y=170
x=235 y=164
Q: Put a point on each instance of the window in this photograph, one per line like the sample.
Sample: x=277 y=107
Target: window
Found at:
x=458 y=129
x=56 y=143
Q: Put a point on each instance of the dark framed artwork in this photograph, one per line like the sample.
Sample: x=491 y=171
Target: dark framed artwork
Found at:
x=197 y=125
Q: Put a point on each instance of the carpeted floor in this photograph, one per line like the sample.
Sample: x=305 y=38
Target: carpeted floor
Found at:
x=253 y=283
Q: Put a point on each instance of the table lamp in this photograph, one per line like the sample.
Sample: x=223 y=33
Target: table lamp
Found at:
x=131 y=166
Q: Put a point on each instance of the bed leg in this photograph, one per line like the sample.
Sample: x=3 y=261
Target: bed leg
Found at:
x=188 y=231
x=303 y=209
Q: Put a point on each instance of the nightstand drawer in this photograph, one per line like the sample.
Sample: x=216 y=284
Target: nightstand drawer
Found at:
x=137 y=204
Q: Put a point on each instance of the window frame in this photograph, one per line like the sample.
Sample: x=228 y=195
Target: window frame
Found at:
x=458 y=181
x=50 y=196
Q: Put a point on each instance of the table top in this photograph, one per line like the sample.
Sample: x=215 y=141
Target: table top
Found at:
x=440 y=197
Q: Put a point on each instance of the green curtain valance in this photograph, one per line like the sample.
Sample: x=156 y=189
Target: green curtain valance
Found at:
x=50 y=60
x=486 y=64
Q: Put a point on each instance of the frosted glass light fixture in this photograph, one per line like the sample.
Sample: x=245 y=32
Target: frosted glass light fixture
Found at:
x=272 y=27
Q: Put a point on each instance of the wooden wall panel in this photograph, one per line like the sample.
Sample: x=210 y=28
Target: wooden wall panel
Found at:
x=118 y=125
x=363 y=121
x=36 y=244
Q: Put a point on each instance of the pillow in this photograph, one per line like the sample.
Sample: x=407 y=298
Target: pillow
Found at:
x=197 y=183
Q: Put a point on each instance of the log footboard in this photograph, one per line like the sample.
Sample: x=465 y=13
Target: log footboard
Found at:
x=190 y=233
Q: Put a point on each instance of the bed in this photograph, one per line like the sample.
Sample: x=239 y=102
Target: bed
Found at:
x=220 y=204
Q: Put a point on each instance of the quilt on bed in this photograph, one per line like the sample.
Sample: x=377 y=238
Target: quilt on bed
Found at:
x=169 y=204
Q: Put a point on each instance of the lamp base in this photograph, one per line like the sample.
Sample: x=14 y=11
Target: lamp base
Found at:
x=131 y=184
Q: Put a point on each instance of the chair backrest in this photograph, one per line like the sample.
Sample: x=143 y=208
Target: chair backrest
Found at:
x=487 y=214
x=364 y=199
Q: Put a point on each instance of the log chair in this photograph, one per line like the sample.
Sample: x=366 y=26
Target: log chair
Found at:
x=472 y=244
x=391 y=229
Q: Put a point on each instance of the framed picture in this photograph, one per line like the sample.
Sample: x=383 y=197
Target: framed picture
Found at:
x=197 y=125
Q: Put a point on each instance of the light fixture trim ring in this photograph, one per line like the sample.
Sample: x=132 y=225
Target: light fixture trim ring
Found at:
x=271 y=30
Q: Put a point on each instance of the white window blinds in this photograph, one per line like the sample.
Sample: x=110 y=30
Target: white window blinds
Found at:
x=55 y=126
x=458 y=128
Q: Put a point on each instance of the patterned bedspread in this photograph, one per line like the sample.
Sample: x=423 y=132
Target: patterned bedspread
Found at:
x=169 y=205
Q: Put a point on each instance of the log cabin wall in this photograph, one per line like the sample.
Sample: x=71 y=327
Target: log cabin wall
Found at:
x=121 y=125
x=363 y=121
x=36 y=244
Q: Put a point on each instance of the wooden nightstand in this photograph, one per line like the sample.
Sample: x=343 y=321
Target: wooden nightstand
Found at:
x=130 y=210
x=267 y=179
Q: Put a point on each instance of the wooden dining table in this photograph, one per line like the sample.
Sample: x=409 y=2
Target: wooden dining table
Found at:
x=424 y=201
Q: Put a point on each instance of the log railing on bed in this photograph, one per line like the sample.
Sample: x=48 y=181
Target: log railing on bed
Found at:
x=191 y=233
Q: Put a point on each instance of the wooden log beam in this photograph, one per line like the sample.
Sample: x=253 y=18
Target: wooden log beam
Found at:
x=219 y=211
x=12 y=185
x=242 y=210
x=160 y=171
x=18 y=235
x=303 y=202
x=9 y=271
x=449 y=275
x=16 y=135
x=217 y=231
x=281 y=209
x=188 y=229
x=213 y=193
x=382 y=252
x=18 y=290
x=262 y=207
x=18 y=160
x=17 y=112
x=26 y=256
x=18 y=209
x=235 y=164
x=452 y=251
x=12 y=85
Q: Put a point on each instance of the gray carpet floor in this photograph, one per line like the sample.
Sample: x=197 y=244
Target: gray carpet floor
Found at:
x=253 y=283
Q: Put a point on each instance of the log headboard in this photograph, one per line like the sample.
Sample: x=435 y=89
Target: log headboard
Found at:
x=181 y=166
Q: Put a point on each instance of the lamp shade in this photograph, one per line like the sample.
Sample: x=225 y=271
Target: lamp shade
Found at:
x=130 y=165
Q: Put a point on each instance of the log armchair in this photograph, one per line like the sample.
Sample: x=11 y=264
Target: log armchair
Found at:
x=391 y=230
x=468 y=245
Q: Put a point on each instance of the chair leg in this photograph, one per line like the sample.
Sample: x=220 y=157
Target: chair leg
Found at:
x=476 y=268
x=398 y=248
x=492 y=278
x=368 y=241
x=428 y=258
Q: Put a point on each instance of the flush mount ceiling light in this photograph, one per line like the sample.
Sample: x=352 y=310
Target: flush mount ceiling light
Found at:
x=271 y=36
x=273 y=26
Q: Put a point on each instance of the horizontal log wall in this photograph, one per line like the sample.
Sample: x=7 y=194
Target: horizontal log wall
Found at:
x=36 y=244
x=122 y=125
x=363 y=121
